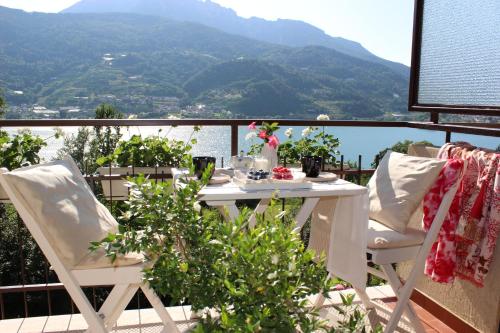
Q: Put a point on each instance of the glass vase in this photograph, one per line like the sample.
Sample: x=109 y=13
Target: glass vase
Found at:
x=271 y=154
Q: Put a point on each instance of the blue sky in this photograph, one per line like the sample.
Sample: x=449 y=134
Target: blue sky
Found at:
x=384 y=27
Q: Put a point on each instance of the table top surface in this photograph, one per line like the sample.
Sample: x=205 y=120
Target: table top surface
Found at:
x=231 y=191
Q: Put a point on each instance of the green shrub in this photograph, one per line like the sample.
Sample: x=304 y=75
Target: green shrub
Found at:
x=90 y=144
x=256 y=278
x=20 y=150
x=149 y=152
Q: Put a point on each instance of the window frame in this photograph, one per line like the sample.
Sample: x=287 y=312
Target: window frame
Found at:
x=413 y=105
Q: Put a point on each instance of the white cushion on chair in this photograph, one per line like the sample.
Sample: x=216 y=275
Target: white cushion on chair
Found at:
x=63 y=205
x=382 y=237
x=98 y=259
x=399 y=185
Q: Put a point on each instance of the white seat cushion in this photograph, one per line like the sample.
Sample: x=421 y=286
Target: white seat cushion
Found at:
x=399 y=185
x=98 y=259
x=383 y=237
x=59 y=199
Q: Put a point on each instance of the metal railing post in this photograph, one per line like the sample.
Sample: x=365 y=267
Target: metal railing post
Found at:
x=234 y=139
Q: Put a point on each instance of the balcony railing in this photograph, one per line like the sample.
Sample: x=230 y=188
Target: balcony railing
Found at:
x=29 y=295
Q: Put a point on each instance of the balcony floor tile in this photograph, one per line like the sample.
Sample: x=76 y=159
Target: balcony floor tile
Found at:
x=147 y=321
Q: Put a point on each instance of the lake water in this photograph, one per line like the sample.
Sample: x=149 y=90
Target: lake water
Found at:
x=354 y=141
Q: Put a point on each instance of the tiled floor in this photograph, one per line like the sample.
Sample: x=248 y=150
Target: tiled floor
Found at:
x=146 y=320
x=431 y=323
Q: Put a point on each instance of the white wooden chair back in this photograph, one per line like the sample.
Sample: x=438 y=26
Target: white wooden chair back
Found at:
x=419 y=255
x=33 y=227
x=125 y=284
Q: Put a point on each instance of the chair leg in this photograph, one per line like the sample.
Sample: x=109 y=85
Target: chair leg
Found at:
x=320 y=300
x=96 y=324
x=406 y=306
x=169 y=324
x=116 y=302
x=365 y=299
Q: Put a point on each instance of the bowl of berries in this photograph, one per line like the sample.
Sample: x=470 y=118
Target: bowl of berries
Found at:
x=257 y=174
x=279 y=178
x=282 y=173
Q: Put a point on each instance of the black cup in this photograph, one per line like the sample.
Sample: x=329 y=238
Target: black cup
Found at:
x=201 y=163
x=311 y=165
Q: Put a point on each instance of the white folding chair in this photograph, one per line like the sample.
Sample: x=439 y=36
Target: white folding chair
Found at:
x=387 y=246
x=126 y=277
x=414 y=245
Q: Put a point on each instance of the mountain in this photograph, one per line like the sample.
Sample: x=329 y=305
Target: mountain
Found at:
x=284 y=32
x=78 y=59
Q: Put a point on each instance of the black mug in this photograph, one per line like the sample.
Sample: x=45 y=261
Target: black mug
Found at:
x=311 y=165
x=201 y=163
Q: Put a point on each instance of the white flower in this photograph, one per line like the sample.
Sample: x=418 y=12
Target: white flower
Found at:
x=323 y=117
x=272 y=276
x=197 y=206
x=289 y=132
x=250 y=136
x=306 y=131
x=127 y=215
x=22 y=131
x=275 y=259
x=6 y=146
x=58 y=132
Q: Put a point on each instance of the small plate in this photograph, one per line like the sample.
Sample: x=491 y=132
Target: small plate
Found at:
x=323 y=177
x=219 y=179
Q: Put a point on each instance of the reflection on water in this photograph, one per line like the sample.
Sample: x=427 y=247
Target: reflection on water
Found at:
x=212 y=141
x=216 y=140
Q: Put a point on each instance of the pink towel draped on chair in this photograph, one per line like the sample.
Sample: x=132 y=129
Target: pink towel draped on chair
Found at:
x=441 y=260
x=468 y=238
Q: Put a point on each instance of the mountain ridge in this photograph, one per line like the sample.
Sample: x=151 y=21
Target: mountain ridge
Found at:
x=287 y=32
x=58 y=59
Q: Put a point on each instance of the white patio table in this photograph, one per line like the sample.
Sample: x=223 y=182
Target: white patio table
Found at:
x=346 y=252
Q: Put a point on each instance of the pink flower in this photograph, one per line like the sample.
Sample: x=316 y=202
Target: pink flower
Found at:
x=263 y=135
x=252 y=126
x=339 y=287
x=273 y=141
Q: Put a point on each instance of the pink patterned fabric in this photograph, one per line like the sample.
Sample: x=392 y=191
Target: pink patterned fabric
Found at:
x=441 y=260
x=467 y=247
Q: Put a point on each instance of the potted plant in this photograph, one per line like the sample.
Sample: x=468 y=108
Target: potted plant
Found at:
x=268 y=149
x=313 y=150
x=152 y=155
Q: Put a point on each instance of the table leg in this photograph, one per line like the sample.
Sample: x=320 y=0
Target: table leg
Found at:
x=305 y=211
x=227 y=209
x=261 y=208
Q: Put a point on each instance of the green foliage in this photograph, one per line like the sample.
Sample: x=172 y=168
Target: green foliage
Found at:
x=106 y=138
x=257 y=278
x=399 y=147
x=151 y=151
x=312 y=143
x=352 y=319
x=20 y=150
x=77 y=146
x=88 y=145
x=269 y=128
